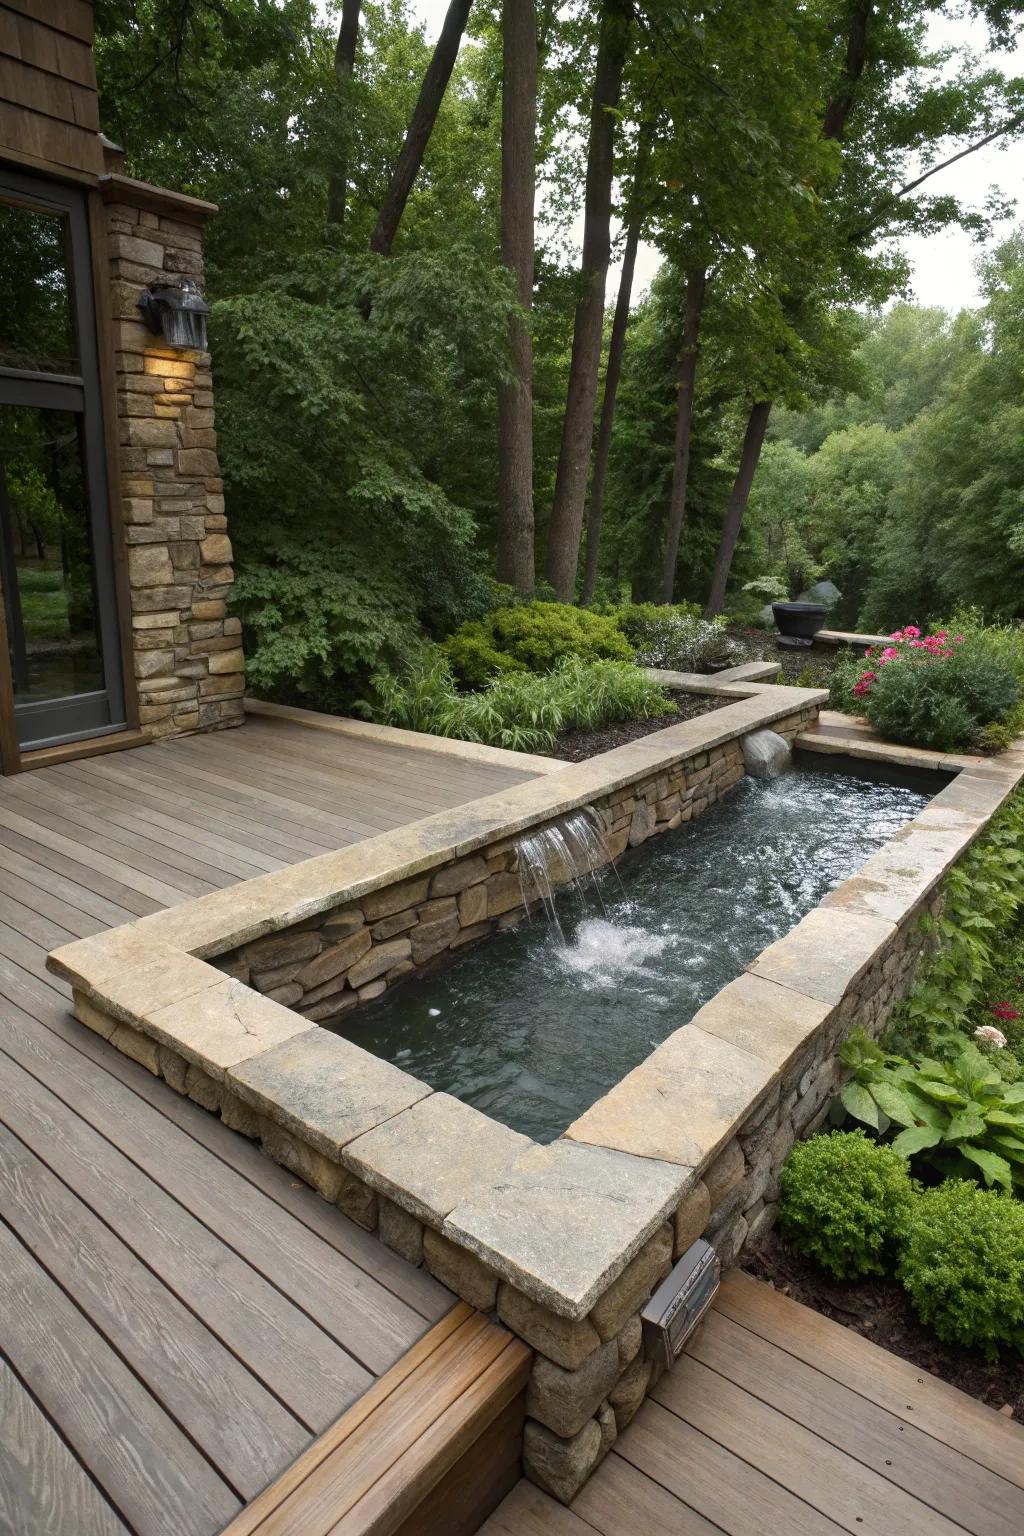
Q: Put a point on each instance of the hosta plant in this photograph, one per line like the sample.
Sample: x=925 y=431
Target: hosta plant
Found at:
x=958 y=1116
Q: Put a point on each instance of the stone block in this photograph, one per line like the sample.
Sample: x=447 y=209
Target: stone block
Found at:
x=561 y=1467
x=504 y=893
x=276 y=949
x=472 y=905
x=680 y=1103
x=395 y=898
x=762 y=1018
x=378 y=960
x=316 y=1170
x=455 y=878
x=460 y=1271
x=399 y=1231
x=324 y=1089
x=827 y=952
x=429 y=939
x=222 y=1026
x=563 y=1221
x=566 y=1342
x=435 y=1154
x=338 y=925
x=629 y=1392
x=626 y=1295
x=389 y=926
x=564 y=1400
x=691 y=1218
x=335 y=961
x=221 y=662
x=149 y=565
x=725 y=1173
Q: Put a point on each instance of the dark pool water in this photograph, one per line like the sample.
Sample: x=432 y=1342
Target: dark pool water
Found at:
x=533 y=1027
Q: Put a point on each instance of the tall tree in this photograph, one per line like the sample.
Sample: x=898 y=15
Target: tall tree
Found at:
x=421 y=126
x=686 y=378
x=566 y=523
x=750 y=453
x=344 y=64
x=613 y=368
x=515 y=393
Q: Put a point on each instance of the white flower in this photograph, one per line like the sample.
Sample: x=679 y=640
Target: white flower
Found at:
x=989 y=1035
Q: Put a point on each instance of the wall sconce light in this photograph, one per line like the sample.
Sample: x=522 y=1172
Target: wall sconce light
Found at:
x=178 y=311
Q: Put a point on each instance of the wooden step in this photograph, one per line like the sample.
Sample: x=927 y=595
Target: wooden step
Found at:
x=429 y=1450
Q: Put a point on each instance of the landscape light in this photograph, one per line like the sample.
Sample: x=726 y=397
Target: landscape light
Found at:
x=178 y=311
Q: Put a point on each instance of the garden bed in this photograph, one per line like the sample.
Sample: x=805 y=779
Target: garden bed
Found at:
x=880 y=1310
x=577 y=746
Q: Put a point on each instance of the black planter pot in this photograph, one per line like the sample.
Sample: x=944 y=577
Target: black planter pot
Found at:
x=800 y=620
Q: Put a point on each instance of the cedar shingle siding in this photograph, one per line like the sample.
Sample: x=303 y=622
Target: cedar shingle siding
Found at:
x=49 y=115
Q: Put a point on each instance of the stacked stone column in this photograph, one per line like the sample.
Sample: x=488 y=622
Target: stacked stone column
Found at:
x=186 y=650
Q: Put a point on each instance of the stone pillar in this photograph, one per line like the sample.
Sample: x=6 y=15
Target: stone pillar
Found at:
x=186 y=651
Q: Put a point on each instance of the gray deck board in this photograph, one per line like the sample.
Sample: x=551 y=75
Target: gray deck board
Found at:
x=178 y=1315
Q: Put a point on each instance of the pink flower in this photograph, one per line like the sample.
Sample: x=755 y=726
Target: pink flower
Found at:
x=889 y=654
x=1005 y=1011
x=989 y=1035
x=911 y=632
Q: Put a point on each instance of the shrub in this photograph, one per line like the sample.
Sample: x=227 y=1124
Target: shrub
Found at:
x=963 y=1266
x=846 y=673
x=940 y=691
x=676 y=639
x=521 y=711
x=532 y=637
x=634 y=619
x=846 y=1203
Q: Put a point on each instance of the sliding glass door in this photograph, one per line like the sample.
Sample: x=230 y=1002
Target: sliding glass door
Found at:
x=56 y=567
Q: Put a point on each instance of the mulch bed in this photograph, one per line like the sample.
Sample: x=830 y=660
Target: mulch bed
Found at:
x=577 y=746
x=879 y=1310
x=759 y=645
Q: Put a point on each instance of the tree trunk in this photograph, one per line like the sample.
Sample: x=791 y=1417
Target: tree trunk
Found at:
x=613 y=371
x=421 y=126
x=696 y=283
x=344 y=63
x=753 y=440
x=515 y=395
x=578 y=425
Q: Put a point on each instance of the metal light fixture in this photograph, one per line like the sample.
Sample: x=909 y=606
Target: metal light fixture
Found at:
x=178 y=311
x=679 y=1303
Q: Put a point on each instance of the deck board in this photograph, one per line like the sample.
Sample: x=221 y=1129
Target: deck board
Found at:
x=777 y=1418
x=179 y=1316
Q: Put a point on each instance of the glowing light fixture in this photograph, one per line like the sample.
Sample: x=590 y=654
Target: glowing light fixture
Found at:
x=178 y=311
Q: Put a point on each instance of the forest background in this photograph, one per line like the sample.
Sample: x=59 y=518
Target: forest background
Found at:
x=434 y=374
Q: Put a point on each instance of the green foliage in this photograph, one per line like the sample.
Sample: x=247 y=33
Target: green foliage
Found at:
x=532 y=637
x=519 y=710
x=635 y=619
x=963 y=1266
x=847 y=671
x=958 y=1116
x=935 y=695
x=846 y=1203
x=982 y=898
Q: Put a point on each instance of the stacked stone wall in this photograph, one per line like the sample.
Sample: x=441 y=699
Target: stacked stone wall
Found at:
x=186 y=650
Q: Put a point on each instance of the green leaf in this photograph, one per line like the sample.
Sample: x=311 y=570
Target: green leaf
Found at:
x=1005 y=1117
x=859 y=1103
x=895 y=1103
x=1014 y=1093
x=945 y=1093
x=916 y=1140
x=995 y=1169
x=964 y=1126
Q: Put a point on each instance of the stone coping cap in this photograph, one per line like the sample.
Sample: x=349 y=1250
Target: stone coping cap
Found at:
x=115 y=188
x=564 y=1220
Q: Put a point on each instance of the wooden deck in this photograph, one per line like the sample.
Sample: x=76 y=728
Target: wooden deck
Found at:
x=179 y=1318
x=780 y=1420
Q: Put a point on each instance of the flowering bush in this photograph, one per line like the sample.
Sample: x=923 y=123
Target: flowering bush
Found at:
x=938 y=690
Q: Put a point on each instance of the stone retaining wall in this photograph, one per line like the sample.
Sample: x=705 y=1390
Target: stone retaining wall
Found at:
x=327 y=965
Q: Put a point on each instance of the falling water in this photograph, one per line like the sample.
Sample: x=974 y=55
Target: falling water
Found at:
x=561 y=854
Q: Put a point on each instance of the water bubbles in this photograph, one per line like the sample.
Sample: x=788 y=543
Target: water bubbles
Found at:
x=433 y=1013
x=602 y=951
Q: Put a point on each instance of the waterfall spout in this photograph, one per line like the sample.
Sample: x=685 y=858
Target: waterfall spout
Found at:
x=766 y=754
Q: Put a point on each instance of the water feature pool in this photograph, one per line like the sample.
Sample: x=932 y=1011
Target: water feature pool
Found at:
x=539 y=1022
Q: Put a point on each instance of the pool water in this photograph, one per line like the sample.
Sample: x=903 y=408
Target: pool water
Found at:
x=533 y=1025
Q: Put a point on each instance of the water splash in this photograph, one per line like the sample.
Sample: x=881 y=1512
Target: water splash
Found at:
x=602 y=951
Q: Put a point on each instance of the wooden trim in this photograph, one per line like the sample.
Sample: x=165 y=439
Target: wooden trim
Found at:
x=71 y=751
x=23 y=161
x=10 y=751
x=96 y=216
x=405 y=1439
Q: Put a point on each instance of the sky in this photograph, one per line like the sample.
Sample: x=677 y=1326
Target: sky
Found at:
x=942 y=265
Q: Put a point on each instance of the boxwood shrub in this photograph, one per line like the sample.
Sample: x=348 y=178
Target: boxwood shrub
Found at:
x=846 y=1203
